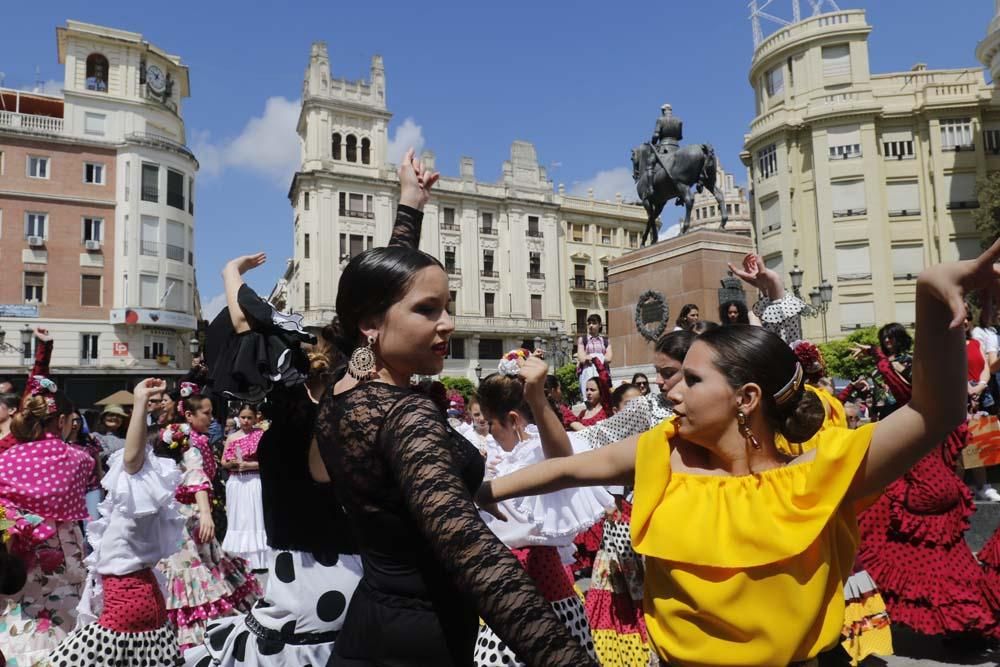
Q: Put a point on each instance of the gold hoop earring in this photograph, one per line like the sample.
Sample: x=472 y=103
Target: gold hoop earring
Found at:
x=361 y=365
x=745 y=430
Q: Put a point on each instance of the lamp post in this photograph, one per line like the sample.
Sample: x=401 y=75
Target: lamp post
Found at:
x=4 y=345
x=796 y=275
x=193 y=346
x=26 y=334
x=479 y=372
x=820 y=297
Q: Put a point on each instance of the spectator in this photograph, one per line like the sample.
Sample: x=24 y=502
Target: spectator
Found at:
x=590 y=348
x=688 y=316
x=642 y=382
x=734 y=312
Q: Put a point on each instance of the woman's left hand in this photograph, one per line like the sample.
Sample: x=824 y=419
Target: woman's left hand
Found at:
x=533 y=370
x=415 y=182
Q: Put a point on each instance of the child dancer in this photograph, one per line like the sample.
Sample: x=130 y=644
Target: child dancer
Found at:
x=122 y=614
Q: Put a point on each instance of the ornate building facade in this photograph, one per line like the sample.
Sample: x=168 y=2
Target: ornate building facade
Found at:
x=862 y=179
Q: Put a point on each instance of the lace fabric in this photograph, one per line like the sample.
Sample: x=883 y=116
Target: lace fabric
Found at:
x=405 y=479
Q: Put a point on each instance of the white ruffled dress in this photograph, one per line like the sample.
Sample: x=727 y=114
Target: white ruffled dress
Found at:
x=536 y=525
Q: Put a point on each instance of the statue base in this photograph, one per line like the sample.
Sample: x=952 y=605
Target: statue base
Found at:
x=684 y=269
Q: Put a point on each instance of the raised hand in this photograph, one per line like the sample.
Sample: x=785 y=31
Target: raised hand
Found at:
x=533 y=370
x=43 y=334
x=750 y=270
x=148 y=387
x=247 y=262
x=415 y=182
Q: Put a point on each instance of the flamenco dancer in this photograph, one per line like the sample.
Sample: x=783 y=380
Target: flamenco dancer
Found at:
x=245 y=535
x=202 y=581
x=122 y=615
x=537 y=529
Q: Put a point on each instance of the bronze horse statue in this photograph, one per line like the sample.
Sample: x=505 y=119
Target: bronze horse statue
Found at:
x=674 y=174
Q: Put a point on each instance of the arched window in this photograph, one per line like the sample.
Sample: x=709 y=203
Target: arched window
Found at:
x=366 y=151
x=336 y=146
x=97 y=73
x=352 y=148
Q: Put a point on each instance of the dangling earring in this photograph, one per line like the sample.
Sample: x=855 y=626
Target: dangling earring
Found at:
x=741 y=420
x=361 y=365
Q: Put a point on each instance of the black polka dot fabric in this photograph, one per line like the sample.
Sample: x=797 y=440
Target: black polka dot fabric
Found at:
x=96 y=646
x=492 y=652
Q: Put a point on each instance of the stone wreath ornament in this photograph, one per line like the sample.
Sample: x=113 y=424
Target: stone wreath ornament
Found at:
x=649 y=303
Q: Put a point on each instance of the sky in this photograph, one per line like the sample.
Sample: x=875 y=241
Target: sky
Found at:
x=583 y=81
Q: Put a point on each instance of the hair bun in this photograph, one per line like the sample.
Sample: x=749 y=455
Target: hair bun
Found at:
x=319 y=362
x=803 y=417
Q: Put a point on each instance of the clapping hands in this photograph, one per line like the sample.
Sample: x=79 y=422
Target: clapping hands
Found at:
x=415 y=182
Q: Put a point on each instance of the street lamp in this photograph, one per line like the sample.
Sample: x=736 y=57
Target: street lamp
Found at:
x=796 y=275
x=820 y=298
x=479 y=371
x=4 y=345
x=194 y=346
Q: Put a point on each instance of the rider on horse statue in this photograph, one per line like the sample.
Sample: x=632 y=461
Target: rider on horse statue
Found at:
x=667 y=137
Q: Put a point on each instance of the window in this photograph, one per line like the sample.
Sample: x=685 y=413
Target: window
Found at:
x=836 y=61
x=956 y=134
x=190 y=247
x=149 y=286
x=149 y=236
x=776 y=263
x=770 y=215
x=93 y=229
x=897 y=144
x=34 y=287
x=452 y=298
x=903 y=198
x=907 y=260
x=490 y=348
x=306 y=301
x=448 y=218
x=449 y=259
x=853 y=262
x=88 y=348
x=174 y=295
x=93 y=124
x=175 y=241
x=93 y=173
x=356 y=205
x=305 y=201
x=633 y=239
x=305 y=246
x=97 y=73
x=158 y=345
x=906 y=313
x=335 y=146
x=991 y=143
x=456 y=348
x=848 y=198
x=357 y=244
x=366 y=151
x=488 y=264
x=535 y=265
x=352 y=148
x=536 y=307
x=1 y=163
x=90 y=290
x=857 y=315
x=175 y=189
x=34 y=224
x=489 y=303
x=960 y=191
x=38 y=167
x=844 y=142
x=775 y=82
x=487 y=225
x=966 y=248
x=533 y=227
x=578 y=232
x=581 y=320
x=150 y=183
x=190 y=195
x=767 y=161
x=605 y=236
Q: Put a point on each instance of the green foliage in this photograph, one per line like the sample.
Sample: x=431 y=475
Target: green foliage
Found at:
x=569 y=382
x=463 y=386
x=837 y=355
x=987 y=216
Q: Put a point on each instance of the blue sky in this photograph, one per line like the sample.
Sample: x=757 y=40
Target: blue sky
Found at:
x=583 y=81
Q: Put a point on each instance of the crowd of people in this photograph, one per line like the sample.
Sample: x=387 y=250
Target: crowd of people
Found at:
x=738 y=513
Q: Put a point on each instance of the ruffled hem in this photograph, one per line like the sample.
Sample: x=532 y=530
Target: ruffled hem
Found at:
x=238 y=600
x=951 y=619
x=617 y=613
x=944 y=529
x=989 y=555
x=97 y=646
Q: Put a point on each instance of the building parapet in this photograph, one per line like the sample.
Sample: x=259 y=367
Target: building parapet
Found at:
x=505 y=325
x=811 y=27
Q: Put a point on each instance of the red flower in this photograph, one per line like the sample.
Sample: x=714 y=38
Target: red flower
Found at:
x=50 y=560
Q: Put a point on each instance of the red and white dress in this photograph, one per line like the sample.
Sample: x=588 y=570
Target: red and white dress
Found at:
x=540 y=531
x=245 y=534
x=202 y=581
x=42 y=487
x=122 y=613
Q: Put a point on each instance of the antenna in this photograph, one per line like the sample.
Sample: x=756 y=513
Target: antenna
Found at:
x=757 y=13
x=39 y=84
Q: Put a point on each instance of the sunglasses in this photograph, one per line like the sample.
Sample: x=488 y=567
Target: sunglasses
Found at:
x=642 y=384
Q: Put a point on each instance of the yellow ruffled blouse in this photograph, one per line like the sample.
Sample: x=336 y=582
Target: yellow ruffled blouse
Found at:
x=746 y=570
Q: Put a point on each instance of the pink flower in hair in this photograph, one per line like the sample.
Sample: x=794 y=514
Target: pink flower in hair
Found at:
x=189 y=389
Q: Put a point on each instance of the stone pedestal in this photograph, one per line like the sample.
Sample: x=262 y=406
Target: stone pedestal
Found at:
x=684 y=269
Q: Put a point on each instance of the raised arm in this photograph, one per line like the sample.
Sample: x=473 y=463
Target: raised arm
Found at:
x=938 y=404
x=232 y=280
x=135 y=437
x=470 y=553
x=415 y=183
x=43 y=355
x=555 y=442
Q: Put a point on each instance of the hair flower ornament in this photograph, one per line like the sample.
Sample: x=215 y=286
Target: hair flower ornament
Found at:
x=39 y=385
x=177 y=436
x=809 y=356
x=510 y=365
x=189 y=389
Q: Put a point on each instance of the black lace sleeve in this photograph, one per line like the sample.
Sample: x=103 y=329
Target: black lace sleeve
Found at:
x=472 y=556
x=406 y=229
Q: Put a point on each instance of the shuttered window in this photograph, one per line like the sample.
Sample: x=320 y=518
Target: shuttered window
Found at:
x=90 y=290
x=836 y=61
x=848 y=198
x=770 y=214
x=897 y=144
x=906 y=312
x=960 y=191
x=854 y=262
x=857 y=315
x=907 y=260
x=149 y=296
x=903 y=198
x=844 y=142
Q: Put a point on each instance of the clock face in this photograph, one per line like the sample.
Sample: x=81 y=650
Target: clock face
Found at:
x=155 y=79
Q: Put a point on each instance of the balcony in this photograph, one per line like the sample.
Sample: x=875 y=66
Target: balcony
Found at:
x=582 y=284
x=352 y=213
x=175 y=199
x=506 y=325
x=850 y=212
x=489 y=273
x=150 y=193
x=29 y=123
x=150 y=248
x=453 y=270
x=536 y=275
x=159 y=141
x=175 y=252
x=602 y=286
x=534 y=233
x=488 y=231
x=449 y=227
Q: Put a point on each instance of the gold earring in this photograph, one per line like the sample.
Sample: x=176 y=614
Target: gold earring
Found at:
x=361 y=365
x=745 y=431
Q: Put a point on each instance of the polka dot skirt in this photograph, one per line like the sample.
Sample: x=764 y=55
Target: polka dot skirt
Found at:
x=95 y=646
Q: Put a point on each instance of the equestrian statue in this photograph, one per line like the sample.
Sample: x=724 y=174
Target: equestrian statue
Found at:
x=662 y=171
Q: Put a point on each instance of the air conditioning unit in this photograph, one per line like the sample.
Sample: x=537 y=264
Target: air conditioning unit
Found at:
x=36 y=241
x=92 y=245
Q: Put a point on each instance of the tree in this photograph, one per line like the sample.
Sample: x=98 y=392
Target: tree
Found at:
x=987 y=216
x=568 y=382
x=837 y=355
x=464 y=386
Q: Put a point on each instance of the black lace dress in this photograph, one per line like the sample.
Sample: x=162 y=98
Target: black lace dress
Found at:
x=431 y=566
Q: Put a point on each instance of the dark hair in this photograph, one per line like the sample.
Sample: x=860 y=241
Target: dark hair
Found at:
x=12 y=401
x=247 y=406
x=701 y=326
x=30 y=421
x=896 y=332
x=682 y=317
x=499 y=394
x=745 y=354
x=552 y=382
x=594 y=318
x=189 y=404
x=635 y=378
x=619 y=393
x=675 y=344
x=741 y=308
x=370 y=284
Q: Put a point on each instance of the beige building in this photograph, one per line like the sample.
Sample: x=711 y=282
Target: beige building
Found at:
x=506 y=244
x=863 y=179
x=706 y=214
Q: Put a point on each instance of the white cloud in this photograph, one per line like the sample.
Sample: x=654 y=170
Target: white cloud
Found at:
x=211 y=308
x=669 y=232
x=268 y=144
x=408 y=135
x=52 y=87
x=607 y=184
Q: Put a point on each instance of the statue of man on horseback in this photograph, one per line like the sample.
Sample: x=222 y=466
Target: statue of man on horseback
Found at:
x=663 y=171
